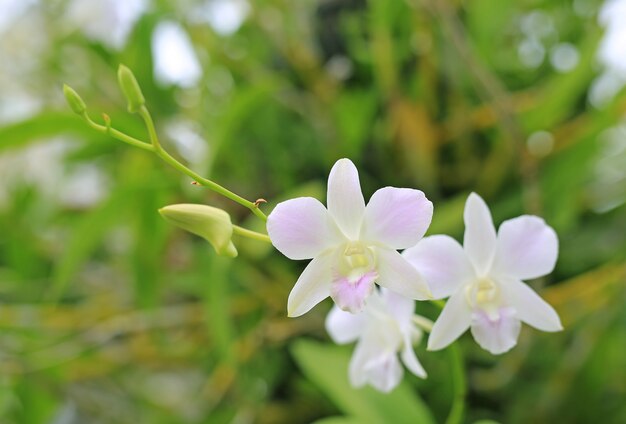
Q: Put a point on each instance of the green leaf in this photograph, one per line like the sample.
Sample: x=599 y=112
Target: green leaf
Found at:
x=338 y=420
x=327 y=367
x=87 y=236
x=47 y=124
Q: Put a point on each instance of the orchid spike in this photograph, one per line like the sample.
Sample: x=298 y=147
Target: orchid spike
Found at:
x=483 y=278
x=384 y=328
x=352 y=246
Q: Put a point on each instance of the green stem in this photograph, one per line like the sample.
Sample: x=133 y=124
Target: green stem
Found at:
x=250 y=234
x=117 y=134
x=438 y=303
x=156 y=148
x=459 y=384
x=147 y=118
x=145 y=115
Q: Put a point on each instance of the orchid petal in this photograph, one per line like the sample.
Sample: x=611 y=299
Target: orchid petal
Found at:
x=397 y=217
x=350 y=293
x=384 y=372
x=497 y=335
x=301 y=228
x=395 y=273
x=527 y=248
x=312 y=286
x=344 y=198
x=442 y=262
x=373 y=365
x=410 y=360
x=363 y=352
x=344 y=327
x=530 y=307
x=455 y=318
x=480 y=234
x=399 y=307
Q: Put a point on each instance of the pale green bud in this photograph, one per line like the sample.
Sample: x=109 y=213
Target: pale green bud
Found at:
x=210 y=223
x=77 y=104
x=130 y=87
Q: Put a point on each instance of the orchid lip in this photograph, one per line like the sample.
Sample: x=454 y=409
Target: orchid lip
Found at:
x=355 y=273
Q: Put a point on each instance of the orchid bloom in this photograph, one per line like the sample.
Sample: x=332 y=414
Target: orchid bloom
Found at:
x=352 y=246
x=384 y=328
x=484 y=278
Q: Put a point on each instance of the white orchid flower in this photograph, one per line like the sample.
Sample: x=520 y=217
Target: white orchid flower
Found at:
x=352 y=246
x=483 y=278
x=384 y=328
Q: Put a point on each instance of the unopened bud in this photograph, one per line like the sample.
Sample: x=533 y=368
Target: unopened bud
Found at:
x=210 y=223
x=77 y=104
x=130 y=87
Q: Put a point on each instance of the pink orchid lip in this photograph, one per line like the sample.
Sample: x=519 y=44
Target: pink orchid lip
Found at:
x=493 y=317
x=350 y=293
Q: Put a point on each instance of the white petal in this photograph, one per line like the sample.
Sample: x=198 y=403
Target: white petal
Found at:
x=363 y=352
x=399 y=307
x=527 y=248
x=397 y=217
x=384 y=372
x=344 y=327
x=410 y=360
x=345 y=200
x=395 y=273
x=455 y=318
x=480 y=234
x=301 y=228
x=529 y=307
x=374 y=365
x=497 y=335
x=312 y=286
x=442 y=262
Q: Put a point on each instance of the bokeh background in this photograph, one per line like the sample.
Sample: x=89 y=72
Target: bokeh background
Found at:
x=110 y=315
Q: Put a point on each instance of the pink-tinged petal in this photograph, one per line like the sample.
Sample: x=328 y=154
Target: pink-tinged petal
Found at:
x=496 y=334
x=345 y=200
x=480 y=234
x=529 y=307
x=527 y=248
x=301 y=228
x=410 y=360
x=344 y=327
x=312 y=286
x=397 y=217
x=350 y=293
x=397 y=274
x=378 y=367
x=453 y=321
x=442 y=262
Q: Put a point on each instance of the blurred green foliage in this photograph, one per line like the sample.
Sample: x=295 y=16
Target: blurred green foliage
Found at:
x=110 y=315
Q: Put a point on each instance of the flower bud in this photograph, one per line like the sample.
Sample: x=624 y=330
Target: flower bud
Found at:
x=77 y=104
x=130 y=87
x=210 y=223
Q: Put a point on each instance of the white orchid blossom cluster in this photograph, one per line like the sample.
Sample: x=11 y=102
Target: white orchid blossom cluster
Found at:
x=355 y=260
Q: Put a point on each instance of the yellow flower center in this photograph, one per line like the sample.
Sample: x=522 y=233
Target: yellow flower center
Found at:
x=357 y=259
x=482 y=293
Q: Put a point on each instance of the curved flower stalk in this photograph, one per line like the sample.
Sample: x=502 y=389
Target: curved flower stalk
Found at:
x=352 y=246
x=384 y=328
x=483 y=278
